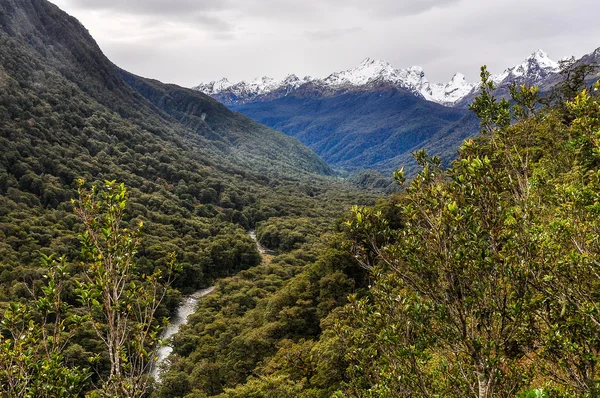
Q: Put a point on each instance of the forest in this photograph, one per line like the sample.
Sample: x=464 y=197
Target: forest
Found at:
x=190 y=188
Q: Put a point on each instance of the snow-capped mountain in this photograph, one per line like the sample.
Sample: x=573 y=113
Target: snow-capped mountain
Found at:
x=244 y=92
x=373 y=74
x=215 y=87
x=536 y=67
x=449 y=93
x=374 y=115
x=366 y=76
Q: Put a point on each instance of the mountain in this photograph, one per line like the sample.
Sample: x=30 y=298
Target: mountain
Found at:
x=371 y=74
x=592 y=59
x=365 y=117
x=64 y=46
x=536 y=69
x=590 y=62
x=242 y=138
x=364 y=129
x=368 y=117
x=368 y=75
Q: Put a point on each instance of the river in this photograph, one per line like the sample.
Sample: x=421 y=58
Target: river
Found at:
x=261 y=248
x=186 y=308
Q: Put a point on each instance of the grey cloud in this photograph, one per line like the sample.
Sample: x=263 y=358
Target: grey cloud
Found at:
x=327 y=34
x=395 y=8
x=289 y=9
x=221 y=19
x=154 y=26
x=378 y=8
x=202 y=14
x=150 y=7
x=223 y=36
x=198 y=40
x=217 y=24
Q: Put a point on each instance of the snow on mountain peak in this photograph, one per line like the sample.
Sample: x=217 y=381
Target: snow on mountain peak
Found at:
x=215 y=87
x=263 y=84
x=291 y=78
x=535 y=67
x=366 y=61
x=368 y=73
x=541 y=59
x=450 y=93
x=372 y=73
x=416 y=69
x=458 y=78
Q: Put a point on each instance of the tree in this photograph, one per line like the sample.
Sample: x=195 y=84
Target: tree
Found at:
x=121 y=305
x=574 y=80
x=570 y=278
x=33 y=339
x=461 y=258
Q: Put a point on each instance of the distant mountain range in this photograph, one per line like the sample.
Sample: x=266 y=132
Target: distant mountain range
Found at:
x=372 y=74
x=373 y=115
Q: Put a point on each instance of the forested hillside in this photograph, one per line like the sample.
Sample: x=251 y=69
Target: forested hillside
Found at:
x=68 y=114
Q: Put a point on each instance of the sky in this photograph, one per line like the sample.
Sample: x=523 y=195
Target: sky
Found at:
x=188 y=42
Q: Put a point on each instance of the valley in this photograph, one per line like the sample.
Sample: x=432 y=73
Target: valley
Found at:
x=184 y=310
x=198 y=176
x=366 y=234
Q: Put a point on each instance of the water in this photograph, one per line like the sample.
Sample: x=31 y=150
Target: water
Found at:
x=185 y=309
x=261 y=248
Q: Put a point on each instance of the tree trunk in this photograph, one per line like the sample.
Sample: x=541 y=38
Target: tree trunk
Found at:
x=483 y=381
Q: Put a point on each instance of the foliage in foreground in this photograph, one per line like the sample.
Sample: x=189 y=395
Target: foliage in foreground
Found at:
x=490 y=287
x=119 y=304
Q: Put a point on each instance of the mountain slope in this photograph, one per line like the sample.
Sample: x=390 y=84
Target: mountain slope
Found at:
x=358 y=130
x=245 y=139
x=64 y=45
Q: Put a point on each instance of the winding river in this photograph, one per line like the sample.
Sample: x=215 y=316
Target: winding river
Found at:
x=261 y=248
x=186 y=308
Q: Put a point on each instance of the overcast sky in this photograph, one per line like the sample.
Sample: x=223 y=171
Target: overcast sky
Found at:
x=192 y=41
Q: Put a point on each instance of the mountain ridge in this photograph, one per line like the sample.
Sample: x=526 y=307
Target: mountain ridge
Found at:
x=325 y=113
x=371 y=74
